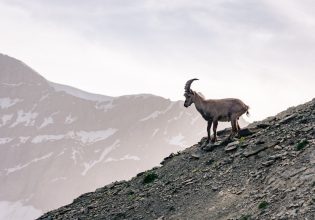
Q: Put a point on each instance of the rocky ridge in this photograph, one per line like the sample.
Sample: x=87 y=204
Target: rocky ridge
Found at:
x=268 y=173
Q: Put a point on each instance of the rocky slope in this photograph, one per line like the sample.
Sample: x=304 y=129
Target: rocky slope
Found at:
x=268 y=173
x=57 y=142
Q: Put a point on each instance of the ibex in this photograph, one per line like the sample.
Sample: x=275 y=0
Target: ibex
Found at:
x=215 y=110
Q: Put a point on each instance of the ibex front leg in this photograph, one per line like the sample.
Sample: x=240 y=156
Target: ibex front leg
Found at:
x=215 y=126
x=208 y=130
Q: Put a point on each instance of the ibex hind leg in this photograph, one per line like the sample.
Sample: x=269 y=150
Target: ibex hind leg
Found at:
x=215 y=126
x=234 y=128
x=208 y=131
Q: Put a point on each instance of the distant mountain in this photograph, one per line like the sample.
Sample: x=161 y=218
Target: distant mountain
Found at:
x=57 y=142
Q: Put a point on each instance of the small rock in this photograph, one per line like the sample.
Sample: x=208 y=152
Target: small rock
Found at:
x=231 y=146
x=196 y=155
x=254 y=151
x=277 y=147
x=245 y=132
x=211 y=146
x=262 y=125
x=209 y=162
x=214 y=188
x=268 y=163
x=167 y=158
x=287 y=119
x=258 y=142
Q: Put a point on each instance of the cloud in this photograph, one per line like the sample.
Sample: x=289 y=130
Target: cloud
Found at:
x=247 y=49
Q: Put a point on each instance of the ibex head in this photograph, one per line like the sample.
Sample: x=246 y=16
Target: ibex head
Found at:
x=189 y=94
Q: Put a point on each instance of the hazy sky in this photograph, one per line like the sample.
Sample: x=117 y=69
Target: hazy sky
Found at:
x=260 y=51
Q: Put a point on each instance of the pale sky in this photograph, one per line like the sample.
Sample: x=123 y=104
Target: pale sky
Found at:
x=262 y=52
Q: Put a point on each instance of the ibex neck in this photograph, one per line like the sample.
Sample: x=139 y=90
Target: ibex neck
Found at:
x=198 y=101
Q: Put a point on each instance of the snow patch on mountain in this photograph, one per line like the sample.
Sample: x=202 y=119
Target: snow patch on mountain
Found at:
x=155 y=132
x=5 y=140
x=74 y=155
x=155 y=114
x=44 y=138
x=79 y=93
x=94 y=136
x=84 y=137
x=5 y=119
x=19 y=167
x=176 y=117
x=24 y=139
x=46 y=122
x=177 y=140
x=58 y=179
x=70 y=119
x=91 y=164
x=17 y=211
x=129 y=157
x=126 y=157
x=26 y=118
x=12 y=84
x=8 y=102
x=105 y=105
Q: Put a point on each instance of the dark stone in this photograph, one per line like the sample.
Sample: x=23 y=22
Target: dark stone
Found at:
x=245 y=132
x=254 y=150
x=259 y=142
x=209 y=162
x=196 y=155
x=287 y=119
x=231 y=146
x=262 y=125
x=268 y=163
x=168 y=158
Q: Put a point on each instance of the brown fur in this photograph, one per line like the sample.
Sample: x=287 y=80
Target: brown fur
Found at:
x=215 y=110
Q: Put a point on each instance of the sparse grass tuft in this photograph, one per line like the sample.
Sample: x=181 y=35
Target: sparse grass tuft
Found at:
x=149 y=178
x=242 y=140
x=245 y=217
x=263 y=205
x=301 y=144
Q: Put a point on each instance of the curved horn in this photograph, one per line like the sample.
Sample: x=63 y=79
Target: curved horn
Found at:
x=188 y=83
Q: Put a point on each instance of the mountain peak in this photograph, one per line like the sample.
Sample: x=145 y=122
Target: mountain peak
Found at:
x=266 y=174
x=14 y=72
